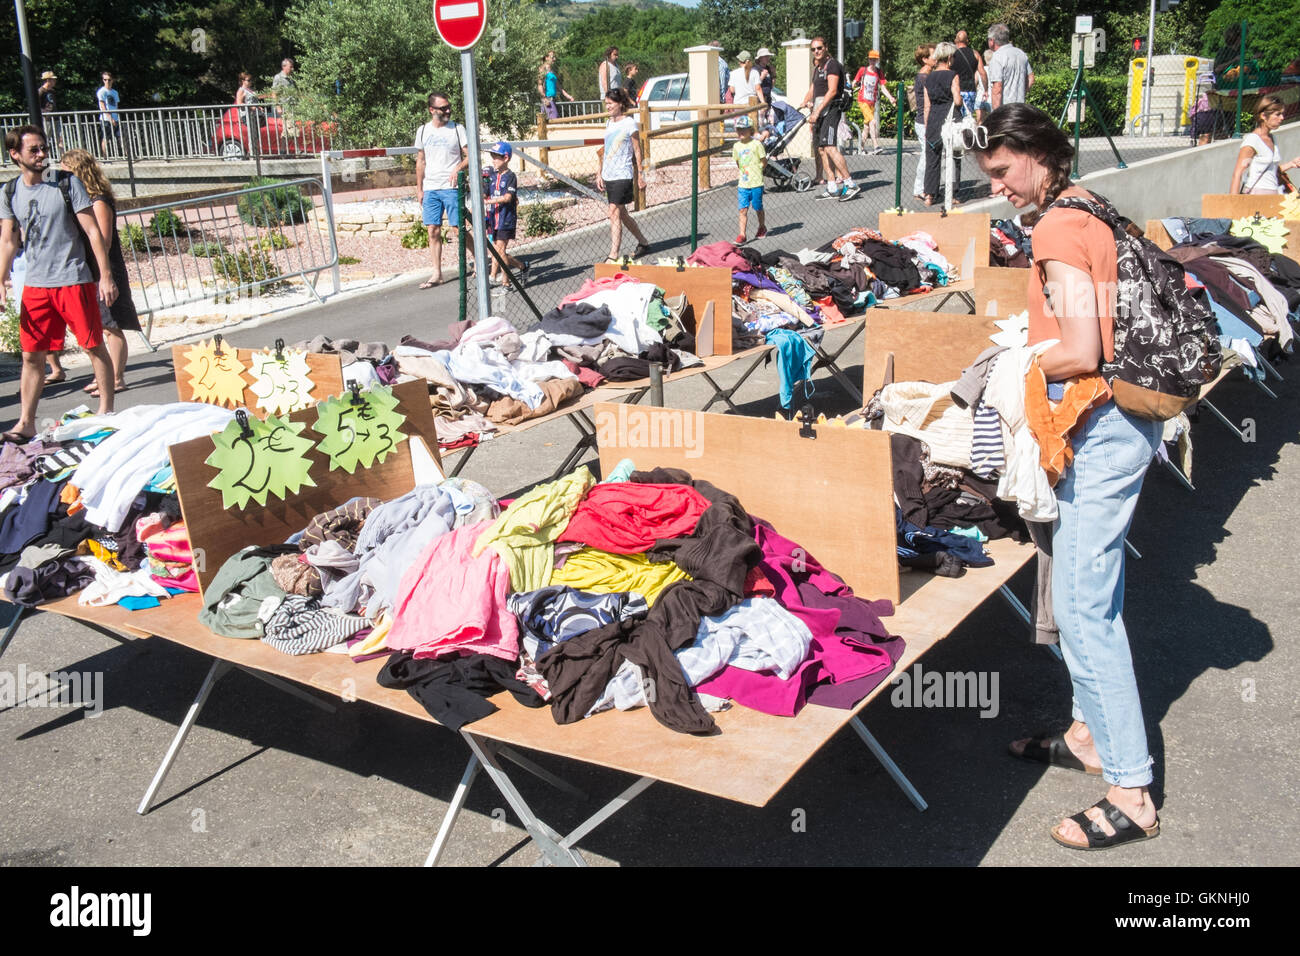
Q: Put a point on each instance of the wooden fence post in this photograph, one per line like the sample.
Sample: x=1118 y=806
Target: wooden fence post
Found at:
x=644 y=133
x=545 y=154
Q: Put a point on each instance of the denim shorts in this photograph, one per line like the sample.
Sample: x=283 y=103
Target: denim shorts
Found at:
x=750 y=198
x=436 y=201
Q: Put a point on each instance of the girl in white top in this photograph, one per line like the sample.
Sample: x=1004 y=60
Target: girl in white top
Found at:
x=1259 y=160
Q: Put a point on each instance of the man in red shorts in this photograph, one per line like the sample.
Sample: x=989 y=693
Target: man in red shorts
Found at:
x=59 y=291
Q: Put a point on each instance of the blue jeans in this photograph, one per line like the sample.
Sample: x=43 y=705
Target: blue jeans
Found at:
x=1096 y=497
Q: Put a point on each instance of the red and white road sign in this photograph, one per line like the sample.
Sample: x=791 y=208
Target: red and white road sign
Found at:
x=460 y=23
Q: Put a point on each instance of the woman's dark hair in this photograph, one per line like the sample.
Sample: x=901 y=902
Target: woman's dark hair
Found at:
x=245 y=77
x=1026 y=129
x=1268 y=104
x=621 y=96
x=609 y=51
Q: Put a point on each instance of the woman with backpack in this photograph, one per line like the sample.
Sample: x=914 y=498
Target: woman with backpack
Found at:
x=121 y=315
x=1027 y=159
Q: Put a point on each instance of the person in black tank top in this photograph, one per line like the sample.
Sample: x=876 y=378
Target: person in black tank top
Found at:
x=969 y=66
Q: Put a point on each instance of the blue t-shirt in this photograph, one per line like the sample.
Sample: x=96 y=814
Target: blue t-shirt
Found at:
x=552 y=84
x=506 y=214
x=110 y=99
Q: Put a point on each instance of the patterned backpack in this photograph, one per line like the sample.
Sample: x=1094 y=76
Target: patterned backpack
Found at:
x=1166 y=339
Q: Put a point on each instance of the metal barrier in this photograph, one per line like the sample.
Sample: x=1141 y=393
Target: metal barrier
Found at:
x=186 y=132
x=229 y=244
x=565 y=109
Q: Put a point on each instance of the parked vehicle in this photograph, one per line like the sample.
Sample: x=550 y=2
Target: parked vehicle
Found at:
x=673 y=88
x=274 y=137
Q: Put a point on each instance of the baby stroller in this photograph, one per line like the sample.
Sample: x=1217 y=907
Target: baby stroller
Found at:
x=784 y=170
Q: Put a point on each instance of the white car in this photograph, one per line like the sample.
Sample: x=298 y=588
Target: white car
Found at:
x=674 y=88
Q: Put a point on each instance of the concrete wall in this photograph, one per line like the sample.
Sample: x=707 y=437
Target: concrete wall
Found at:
x=1169 y=185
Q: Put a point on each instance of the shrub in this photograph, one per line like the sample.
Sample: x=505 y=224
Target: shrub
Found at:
x=133 y=237
x=272 y=207
x=417 y=237
x=274 y=240
x=541 y=220
x=9 y=328
x=349 y=261
x=248 y=265
x=166 y=223
x=207 y=250
x=1109 y=93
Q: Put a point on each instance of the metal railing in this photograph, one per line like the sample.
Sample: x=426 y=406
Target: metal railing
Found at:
x=184 y=132
x=229 y=244
x=565 y=109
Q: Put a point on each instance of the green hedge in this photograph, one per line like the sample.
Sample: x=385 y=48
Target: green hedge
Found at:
x=1050 y=90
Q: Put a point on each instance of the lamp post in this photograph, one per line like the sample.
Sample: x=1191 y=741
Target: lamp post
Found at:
x=29 y=72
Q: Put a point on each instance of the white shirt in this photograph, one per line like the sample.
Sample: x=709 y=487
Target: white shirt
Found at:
x=442 y=147
x=619 y=159
x=745 y=83
x=1261 y=177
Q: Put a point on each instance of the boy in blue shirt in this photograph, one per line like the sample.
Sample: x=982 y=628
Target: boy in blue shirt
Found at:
x=749 y=157
x=502 y=216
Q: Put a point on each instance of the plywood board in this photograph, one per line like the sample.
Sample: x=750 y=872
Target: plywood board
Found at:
x=832 y=494
x=927 y=346
x=326 y=375
x=217 y=533
x=702 y=284
x=962 y=237
x=1000 y=291
x=1157 y=233
x=1230 y=206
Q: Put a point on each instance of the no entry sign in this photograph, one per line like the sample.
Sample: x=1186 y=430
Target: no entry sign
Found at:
x=460 y=23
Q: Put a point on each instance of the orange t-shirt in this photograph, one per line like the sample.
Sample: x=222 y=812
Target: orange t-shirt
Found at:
x=1077 y=239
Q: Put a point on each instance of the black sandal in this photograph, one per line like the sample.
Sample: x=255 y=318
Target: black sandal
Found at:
x=1055 y=752
x=1126 y=831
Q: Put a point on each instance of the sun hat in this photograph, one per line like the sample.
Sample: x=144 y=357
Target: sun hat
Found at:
x=762 y=52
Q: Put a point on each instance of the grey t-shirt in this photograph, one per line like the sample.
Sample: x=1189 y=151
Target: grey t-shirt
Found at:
x=1010 y=67
x=52 y=244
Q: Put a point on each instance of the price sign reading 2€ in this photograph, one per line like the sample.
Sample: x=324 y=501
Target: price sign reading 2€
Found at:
x=359 y=428
x=216 y=374
x=255 y=459
x=282 y=380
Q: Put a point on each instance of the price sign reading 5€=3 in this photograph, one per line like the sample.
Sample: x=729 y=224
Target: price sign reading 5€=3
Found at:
x=360 y=428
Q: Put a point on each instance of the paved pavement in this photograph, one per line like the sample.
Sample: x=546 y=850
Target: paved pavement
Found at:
x=266 y=779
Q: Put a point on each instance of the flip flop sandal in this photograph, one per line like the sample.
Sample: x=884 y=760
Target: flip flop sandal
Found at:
x=16 y=439
x=430 y=284
x=1126 y=831
x=56 y=379
x=1055 y=752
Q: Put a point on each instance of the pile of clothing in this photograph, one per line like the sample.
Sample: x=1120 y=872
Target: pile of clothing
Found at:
x=89 y=505
x=485 y=375
x=650 y=589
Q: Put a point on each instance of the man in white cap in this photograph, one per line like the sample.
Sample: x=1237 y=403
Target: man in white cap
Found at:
x=744 y=83
x=45 y=96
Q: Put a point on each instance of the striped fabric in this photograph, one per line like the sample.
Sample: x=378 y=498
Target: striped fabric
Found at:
x=986 y=454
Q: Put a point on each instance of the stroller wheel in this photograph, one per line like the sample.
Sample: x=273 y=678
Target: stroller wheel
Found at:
x=802 y=182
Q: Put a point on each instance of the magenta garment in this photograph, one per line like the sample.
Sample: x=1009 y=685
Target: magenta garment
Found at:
x=719 y=254
x=189 y=581
x=851 y=651
x=451 y=604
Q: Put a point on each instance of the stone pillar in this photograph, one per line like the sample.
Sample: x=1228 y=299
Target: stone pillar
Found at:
x=798 y=79
x=702 y=74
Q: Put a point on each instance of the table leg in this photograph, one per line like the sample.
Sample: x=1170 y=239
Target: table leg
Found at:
x=215 y=673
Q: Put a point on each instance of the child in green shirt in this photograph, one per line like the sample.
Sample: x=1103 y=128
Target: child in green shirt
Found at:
x=749 y=157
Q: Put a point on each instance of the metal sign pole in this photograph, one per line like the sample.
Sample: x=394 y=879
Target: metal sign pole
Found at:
x=475 y=183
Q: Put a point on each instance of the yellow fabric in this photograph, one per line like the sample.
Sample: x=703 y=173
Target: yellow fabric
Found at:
x=524 y=534
x=108 y=557
x=374 y=642
x=605 y=573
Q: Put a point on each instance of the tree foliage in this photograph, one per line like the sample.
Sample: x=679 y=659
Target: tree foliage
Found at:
x=1272 y=36
x=651 y=38
x=174 y=52
x=371 y=64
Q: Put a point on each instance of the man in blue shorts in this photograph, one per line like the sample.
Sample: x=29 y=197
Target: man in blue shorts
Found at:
x=442 y=155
